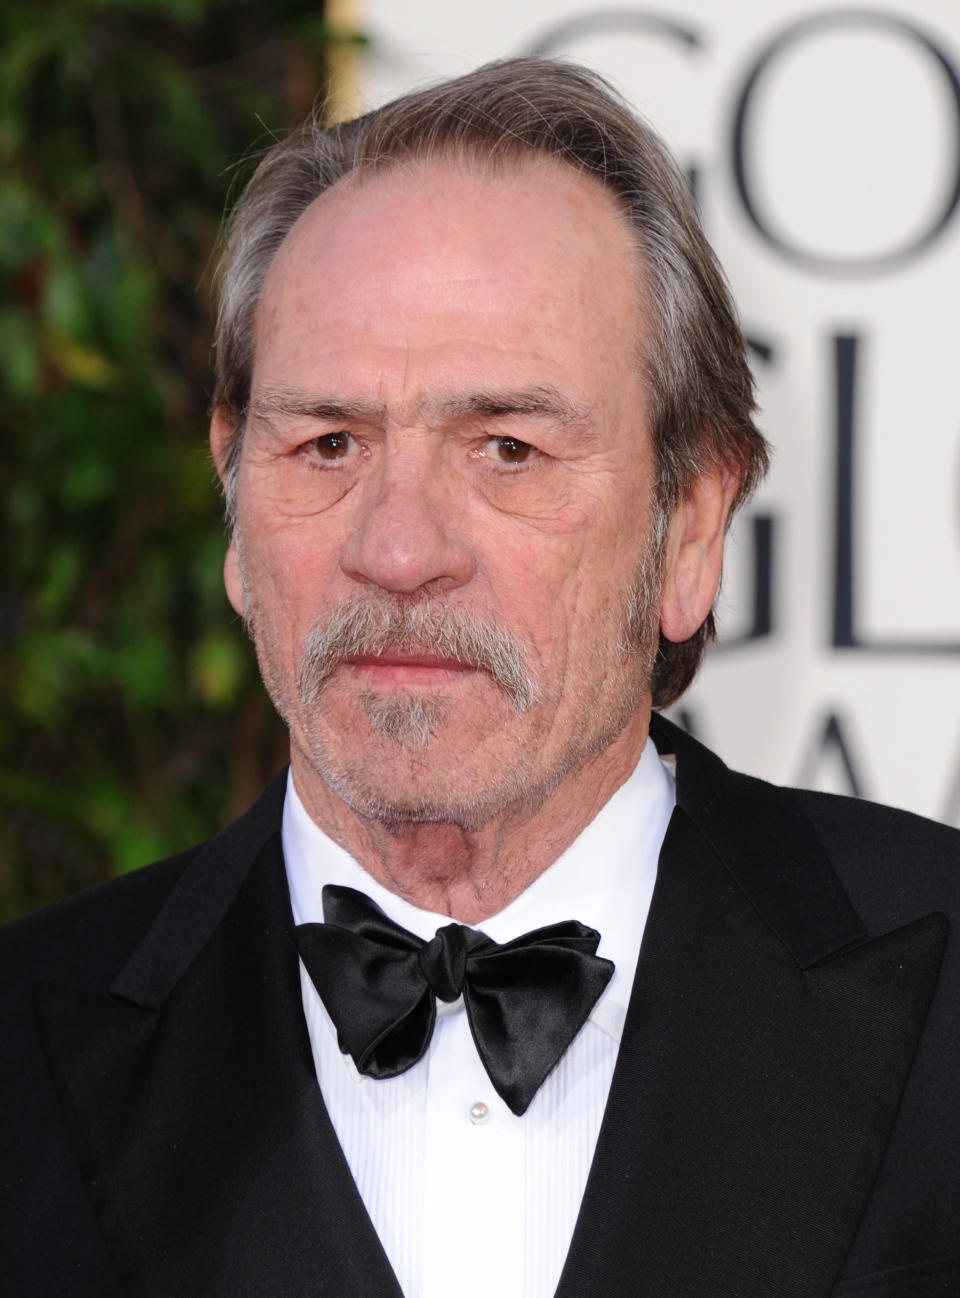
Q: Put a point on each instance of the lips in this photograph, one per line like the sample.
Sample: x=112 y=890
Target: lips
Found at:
x=395 y=667
x=395 y=658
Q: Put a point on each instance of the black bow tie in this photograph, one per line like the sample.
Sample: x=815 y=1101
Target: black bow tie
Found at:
x=525 y=1000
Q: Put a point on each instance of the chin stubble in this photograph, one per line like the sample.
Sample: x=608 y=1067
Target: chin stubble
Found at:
x=410 y=721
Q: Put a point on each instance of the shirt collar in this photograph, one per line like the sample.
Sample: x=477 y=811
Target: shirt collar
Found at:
x=604 y=879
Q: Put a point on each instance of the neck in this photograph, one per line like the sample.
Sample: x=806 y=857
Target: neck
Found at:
x=472 y=873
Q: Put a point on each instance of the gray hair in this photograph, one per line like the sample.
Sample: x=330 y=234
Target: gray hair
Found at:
x=701 y=390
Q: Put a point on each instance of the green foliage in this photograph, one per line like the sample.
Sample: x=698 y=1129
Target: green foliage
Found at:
x=133 y=722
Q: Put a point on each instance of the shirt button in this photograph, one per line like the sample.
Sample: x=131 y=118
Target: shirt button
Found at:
x=479 y=1113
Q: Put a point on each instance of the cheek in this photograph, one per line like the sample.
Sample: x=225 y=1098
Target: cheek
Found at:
x=573 y=563
x=592 y=591
x=289 y=569
x=534 y=583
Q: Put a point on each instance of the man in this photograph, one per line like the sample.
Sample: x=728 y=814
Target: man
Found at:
x=482 y=414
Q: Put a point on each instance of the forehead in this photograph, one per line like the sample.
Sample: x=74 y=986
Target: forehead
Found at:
x=532 y=256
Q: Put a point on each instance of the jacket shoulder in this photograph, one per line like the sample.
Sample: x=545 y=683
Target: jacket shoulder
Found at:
x=893 y=864
x=84 y=939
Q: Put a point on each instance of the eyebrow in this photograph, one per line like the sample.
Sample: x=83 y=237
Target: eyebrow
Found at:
x=288 y=401
x=542 y=401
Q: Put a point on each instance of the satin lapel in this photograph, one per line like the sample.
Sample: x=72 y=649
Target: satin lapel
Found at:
x=766 y=1047
x=192 y=1100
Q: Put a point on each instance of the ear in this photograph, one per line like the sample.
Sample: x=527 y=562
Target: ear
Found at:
x=221 y=431
x=231 y=579
x=693 y=554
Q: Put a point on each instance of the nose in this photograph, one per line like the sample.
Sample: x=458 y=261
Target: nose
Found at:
x=405 y=536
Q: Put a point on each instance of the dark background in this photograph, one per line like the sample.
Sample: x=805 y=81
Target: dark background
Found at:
x=133 y=722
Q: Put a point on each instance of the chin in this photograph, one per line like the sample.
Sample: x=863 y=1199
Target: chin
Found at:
x=420 y=776
x=399 y=799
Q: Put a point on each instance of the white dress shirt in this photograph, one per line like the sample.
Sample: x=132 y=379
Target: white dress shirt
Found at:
x=465 y=1197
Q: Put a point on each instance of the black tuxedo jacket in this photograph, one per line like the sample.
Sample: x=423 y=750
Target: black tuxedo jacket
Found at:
x=783 y=1120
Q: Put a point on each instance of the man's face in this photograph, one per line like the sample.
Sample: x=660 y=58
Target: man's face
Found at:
x=445 y=492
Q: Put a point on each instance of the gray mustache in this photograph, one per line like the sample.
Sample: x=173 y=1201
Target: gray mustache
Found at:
x=372 y=627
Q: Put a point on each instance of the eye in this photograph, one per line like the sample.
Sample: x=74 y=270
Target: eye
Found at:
x=331 y=446
x=510 y=450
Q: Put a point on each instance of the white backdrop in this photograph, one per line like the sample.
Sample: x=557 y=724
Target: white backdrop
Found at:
x=824 y=144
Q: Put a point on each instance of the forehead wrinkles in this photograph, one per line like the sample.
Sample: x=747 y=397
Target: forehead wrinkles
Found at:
x=539 y=224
